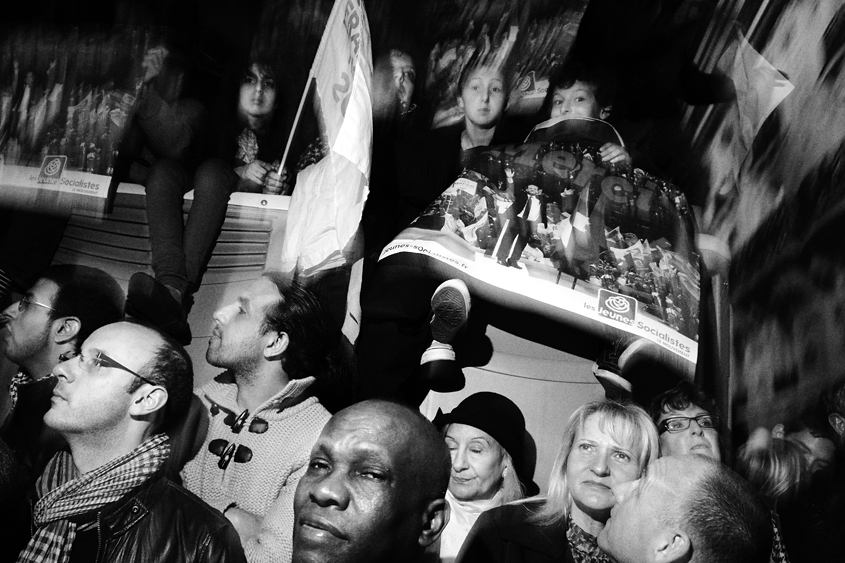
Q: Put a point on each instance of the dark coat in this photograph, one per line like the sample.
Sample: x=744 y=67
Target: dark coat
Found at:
x=161 y=522
x=504 y=535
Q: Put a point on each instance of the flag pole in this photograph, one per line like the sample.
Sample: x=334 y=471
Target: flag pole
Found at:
x=320 y=50
x=296 y=120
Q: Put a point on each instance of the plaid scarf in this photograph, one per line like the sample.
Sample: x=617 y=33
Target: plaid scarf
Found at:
x=63 y=496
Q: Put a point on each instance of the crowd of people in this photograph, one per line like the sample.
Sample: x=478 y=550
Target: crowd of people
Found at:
x=107 y=455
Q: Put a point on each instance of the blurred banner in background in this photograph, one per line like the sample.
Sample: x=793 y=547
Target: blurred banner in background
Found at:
x=66 y=96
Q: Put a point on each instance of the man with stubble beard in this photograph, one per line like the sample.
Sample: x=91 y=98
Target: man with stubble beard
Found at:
x=274 y=341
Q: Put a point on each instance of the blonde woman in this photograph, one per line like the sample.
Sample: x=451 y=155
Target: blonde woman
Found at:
x=604 y=443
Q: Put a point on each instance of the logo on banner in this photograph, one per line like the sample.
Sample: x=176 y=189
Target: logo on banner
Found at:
x=526 y=83
x=530 y=87
x=617 y=307
x=51 y=169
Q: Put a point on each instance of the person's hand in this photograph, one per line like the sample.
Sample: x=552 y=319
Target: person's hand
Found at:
x=254 y=172
x=274 y=183
x=153 y=63
x=247 y=524
x=613 y=153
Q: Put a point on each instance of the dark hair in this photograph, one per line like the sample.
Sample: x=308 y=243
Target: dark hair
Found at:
x=814 y=420
x=172 y=368
x=602 y=82
x=679 y=398
x=833 y=400
x=726 y=519
x=313 y=335
x=264 y=64
x=89 y=294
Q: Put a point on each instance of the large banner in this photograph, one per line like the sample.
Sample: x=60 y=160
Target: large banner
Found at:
x=547 y=226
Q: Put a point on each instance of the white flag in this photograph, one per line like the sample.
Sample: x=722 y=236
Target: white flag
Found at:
x=326 y=206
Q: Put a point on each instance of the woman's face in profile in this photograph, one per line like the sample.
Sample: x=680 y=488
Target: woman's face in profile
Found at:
x=596 y=463
x=258 y=94
x=477 y=463
x=483 y=97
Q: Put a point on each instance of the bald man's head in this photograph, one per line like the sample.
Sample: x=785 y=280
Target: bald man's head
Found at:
x=375 y=486
x=687 y=508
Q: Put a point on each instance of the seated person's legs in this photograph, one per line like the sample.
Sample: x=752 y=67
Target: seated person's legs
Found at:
x=179 y=254
x=166 y=186
x=214 y=182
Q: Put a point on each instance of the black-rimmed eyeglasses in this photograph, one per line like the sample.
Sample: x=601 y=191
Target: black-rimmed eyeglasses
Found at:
x=680 y=423
x=99 y=360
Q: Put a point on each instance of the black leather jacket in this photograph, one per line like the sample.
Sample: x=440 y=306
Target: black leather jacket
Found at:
x=161 y=522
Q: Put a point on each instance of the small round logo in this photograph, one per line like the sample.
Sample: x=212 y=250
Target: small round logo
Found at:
x=618 y=304
x=53 y=167
x=525 y=83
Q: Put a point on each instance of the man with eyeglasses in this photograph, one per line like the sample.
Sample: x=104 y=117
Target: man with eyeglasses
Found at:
x=45 y=326
x=687 y=422
x=275 y=343
x=106 y=498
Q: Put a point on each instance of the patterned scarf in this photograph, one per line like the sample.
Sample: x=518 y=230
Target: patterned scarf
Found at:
x=63 y=496
x=19 y=379
x=247 y=146
x=585 y=549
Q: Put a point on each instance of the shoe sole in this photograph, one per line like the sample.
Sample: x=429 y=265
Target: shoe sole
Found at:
x=450 y=305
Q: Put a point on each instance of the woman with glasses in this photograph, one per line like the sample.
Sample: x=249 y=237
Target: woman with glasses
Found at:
x=687 y=421
x=604 y=443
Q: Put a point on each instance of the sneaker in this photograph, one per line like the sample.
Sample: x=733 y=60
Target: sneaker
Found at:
x=450 y=305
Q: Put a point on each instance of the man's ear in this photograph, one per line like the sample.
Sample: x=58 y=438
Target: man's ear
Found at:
x=778 y=431
x=66 y=329
x=147 y=400
x=671 y=546
x=277 y=345
x=604 y=112
x=838 y=422
x=460 y=103
x=435 y=518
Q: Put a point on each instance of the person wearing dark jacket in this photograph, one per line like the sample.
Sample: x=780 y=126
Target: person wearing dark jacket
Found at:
x=107 y=498
x=395 y=332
